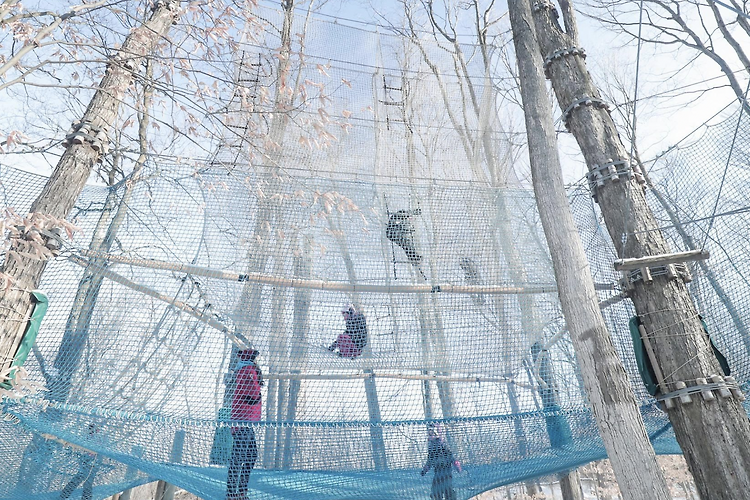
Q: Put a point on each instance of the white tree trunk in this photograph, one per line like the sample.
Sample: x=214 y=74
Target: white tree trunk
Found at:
x=611 y=397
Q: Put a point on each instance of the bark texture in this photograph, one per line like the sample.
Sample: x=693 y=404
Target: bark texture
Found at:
x=610 y=395
x=714 y=435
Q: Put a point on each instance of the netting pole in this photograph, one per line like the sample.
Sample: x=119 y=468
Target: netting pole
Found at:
x=167 y=489
x=130 y=474
x=518 y=430
x=277 y=356
x=445 y=392
x=371 y=390
x=300 y=330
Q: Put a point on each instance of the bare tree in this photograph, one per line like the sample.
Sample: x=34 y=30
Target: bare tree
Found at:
x=80 y=157
x=620 y=423
x=718 y=454
x=710 y=31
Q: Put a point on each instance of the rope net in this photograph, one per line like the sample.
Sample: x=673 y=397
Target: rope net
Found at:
x=139 y=360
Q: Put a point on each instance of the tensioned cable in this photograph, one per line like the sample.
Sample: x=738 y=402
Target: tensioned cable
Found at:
x=726 y=167
x=628 y=209
x=372 y=25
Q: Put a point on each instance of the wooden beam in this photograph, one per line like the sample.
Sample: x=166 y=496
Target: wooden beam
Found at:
x=337 y=286
x=660 y=260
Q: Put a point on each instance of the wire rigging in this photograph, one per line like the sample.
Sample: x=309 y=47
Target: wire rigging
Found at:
x=633 y=122
x=726 y=166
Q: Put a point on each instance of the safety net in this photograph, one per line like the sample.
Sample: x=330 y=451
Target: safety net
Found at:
x=405 y=220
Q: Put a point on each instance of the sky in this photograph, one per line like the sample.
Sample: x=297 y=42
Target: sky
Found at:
x=660 y=123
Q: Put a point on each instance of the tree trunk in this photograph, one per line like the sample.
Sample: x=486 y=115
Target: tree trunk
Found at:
x=75 y=165
x=714 y=435
x=79 y=318
x=610 y=395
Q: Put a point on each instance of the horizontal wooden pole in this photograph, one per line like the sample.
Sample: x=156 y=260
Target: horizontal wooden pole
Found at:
x=398 y=376
x=335 y=286
x=660 y=260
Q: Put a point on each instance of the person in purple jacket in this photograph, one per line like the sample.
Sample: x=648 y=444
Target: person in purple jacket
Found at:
x=354 y=339
x=440 y=459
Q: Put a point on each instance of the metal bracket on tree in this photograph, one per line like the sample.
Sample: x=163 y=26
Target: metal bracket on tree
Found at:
x=725 y=387
x=583 y=101
x=559 y=54
x=81 y=132
x=671 y=265
x=647 y=274
x=614 y=170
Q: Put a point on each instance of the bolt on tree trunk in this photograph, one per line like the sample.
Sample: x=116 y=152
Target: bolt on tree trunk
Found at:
x=714 y=434
x=72 y=171
x=610 y=395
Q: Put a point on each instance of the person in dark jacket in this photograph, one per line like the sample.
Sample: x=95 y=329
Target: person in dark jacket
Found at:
x=246 y=407
x=440 y=459
x=400 y=230
x=472 y=276
x=354 y=339
x=88 y=466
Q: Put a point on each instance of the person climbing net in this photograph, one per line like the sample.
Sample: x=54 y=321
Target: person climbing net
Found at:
x=400 y=230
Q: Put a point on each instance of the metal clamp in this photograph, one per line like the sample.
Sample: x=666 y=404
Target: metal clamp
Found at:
x=559 y=54
x=81 y=132
x=583 y=101
x=614 y=170
x=724 y=387
x=647 y=274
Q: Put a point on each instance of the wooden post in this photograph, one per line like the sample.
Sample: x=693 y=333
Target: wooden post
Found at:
x=300 y=330
x=164 y=490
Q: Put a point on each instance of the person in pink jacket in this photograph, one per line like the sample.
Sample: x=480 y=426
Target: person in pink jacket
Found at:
x=246 y=407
